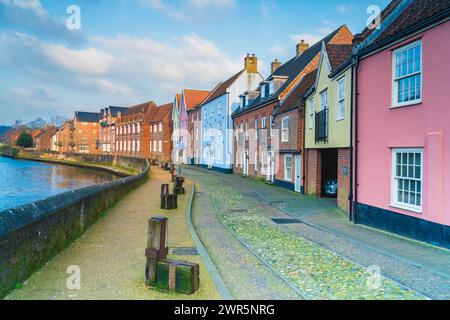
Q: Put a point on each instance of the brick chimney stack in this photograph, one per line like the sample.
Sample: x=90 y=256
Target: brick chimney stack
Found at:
x=302 y=47
x=275 y=65
x=251 y=63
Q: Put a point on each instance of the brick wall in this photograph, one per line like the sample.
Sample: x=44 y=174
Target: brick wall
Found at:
x=313 y=172
x=87 y=134
x=36 y=232
x=344 y=179
x=253 y=145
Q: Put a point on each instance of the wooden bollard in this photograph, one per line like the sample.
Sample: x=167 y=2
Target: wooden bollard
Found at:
x=178 y=188
x=157 y=247
x=168 y=201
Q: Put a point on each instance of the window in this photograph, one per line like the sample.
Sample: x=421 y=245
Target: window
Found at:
x=256 y=161
x=407 y=75
x=288 y=167
x=407 y=168
x=341 y=99
x=160 y=146
x=311 y=113
x=285 y=129
x=246 y=131
x=263 y=163
x=138 y=146
x=263 y=123
x=150 y=145
x=256 y=129
x=160 y=127
x=155 y=146
x=323 y=100
x=271 y=87
x=263 y=91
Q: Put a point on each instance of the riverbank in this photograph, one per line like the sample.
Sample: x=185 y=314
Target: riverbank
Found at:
x=32 y=234
x=110 y=255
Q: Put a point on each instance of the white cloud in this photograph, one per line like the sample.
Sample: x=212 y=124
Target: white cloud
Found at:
x=277 y=50
x=33 y=5
x=344 y=8
x=190 y=10
x=318 y=34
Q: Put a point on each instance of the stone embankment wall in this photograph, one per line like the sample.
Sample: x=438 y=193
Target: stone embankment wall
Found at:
x=30 y=235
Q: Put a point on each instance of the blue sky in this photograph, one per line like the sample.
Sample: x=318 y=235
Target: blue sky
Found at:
x=128 y=52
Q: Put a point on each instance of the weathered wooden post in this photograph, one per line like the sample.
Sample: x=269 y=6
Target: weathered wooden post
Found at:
x=178 y=188
x=172 y=171
x=168 y=201
x=157 y=247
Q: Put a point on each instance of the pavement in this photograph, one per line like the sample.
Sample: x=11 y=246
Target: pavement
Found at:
x=415 y=265
x=110 y=255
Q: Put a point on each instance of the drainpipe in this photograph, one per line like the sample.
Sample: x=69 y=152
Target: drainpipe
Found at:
x=355 y=200
x=304 y=146
x=350 y=197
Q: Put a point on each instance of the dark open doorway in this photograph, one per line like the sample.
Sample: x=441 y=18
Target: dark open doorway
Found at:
x=329 y=174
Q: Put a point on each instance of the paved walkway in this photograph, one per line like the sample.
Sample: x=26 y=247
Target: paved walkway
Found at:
x=421 y=267
x=110 y=255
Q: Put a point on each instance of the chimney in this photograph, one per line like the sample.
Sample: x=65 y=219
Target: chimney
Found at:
x=302 y=47
x=275 y=65
x=251 y=63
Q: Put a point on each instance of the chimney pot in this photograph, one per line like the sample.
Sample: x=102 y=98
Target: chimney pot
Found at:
x=302 y=47
x=275 y=65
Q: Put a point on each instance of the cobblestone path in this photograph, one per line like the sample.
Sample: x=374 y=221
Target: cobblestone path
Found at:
x=423 y=268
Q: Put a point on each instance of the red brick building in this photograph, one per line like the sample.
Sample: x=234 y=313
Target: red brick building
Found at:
x=258 y=137
x=44 y=141
x=133 y=131
x=161 y=127
x=86 y=132
x=107 y=137
x=65 y=137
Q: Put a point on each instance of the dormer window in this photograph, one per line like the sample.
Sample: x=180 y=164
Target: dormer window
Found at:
x=246 y=100
x=243 y=101
x=263 y=91
x=271 y=87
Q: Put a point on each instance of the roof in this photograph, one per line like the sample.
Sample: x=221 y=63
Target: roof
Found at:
x=338 y=54
x=193 y=98
x=140 y=112
x=416 y=12
x=82 y=116
x=399 y=18
x=162 y=112
x=115 y=110
x=293 y=101
x=290 y=70
x=222 y=87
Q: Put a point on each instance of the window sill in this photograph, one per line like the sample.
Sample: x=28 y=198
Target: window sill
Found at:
x=406 y=104
x=339 y=120
x=407 y=208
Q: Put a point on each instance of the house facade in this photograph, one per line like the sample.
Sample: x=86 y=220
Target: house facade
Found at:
x=87 y=132
x=216 y=130
x=328 y=126
x=133 y=131
x=402 y=130
x=257 y=150
x=44 y=141
x=65 y=137
x=107 y=125
x=186 y=104
x=161 y=127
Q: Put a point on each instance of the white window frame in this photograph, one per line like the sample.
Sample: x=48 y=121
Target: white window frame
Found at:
x=341 y=99
x=263 y=123
x=160 y=127
x=256 y=130
x=285 y=130
x=395 y=180
x=271 y=87
x=324 y=100
x=271 y=126
x=155 y=146
x=288 y=177
x=311 y=113
x=395 y=79
x=256 y=161
x=263 y=91
x=160 y=146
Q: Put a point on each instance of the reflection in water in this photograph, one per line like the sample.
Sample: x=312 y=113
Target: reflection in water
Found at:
x=22 y=182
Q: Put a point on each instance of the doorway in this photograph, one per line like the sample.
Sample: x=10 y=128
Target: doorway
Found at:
x=298 y=161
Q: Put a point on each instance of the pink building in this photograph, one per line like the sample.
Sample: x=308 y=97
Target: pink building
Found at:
x=402 y=108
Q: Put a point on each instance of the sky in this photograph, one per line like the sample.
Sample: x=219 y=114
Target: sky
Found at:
x=127 y=52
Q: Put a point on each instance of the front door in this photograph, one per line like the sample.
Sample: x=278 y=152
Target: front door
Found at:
x=298 y=161
x=270 y=167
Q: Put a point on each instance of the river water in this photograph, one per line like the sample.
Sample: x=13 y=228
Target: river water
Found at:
x=23 y=181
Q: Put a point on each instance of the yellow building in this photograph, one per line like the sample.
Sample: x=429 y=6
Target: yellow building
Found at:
x=327 y=126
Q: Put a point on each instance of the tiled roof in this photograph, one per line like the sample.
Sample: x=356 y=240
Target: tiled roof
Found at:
x=416 y=12
x=193 y=98
x=82 y=116
x=162 y=112
x=290 y=69
x=178 y=97
x=295 y=98
x=222 y=87
x=116 y=110
x=338 y=54
x=140 y=112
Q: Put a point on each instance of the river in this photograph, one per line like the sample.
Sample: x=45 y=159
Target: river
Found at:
x=23 y=181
